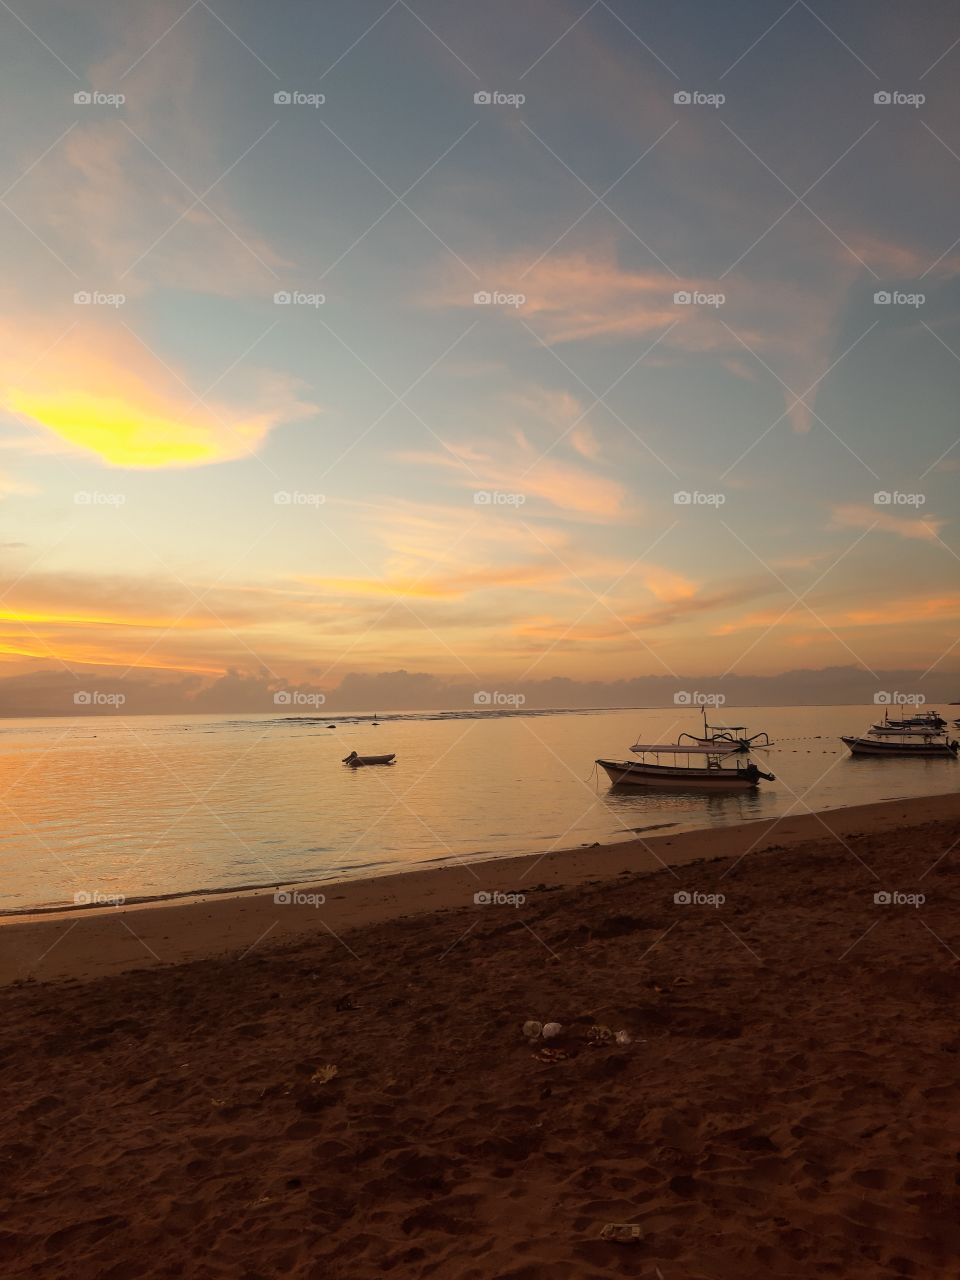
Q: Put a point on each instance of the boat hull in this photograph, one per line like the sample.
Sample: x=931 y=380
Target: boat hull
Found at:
x=899 y=749
x=629 y=773
x=359 y=762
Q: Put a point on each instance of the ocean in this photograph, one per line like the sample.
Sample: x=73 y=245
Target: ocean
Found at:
x=154 y=806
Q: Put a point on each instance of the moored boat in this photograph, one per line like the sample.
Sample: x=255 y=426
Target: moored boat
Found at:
x=931 y=745
x=356 y=761
x=711 y=774
x=925 y=722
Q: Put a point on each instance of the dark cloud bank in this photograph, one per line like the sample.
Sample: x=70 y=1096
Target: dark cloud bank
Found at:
x=45 y=693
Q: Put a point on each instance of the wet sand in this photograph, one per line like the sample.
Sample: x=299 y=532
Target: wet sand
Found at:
x=352 y=1096
x=89 y=943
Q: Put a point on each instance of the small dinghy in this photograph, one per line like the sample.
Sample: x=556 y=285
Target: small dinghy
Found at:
x=355 y=761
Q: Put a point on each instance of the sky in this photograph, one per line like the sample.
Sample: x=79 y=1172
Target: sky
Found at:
x=527 y=346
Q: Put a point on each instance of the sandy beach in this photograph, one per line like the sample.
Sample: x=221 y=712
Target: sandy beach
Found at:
x=352 y=1095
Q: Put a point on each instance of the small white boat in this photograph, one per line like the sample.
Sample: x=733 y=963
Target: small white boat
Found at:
x=356 y=761
x=925 y=722
x=931 y=745
x=711 y=774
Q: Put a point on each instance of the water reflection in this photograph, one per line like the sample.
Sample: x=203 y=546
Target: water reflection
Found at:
x=149 y=806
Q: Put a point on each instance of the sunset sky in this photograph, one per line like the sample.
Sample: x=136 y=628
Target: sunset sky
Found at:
x=198 y=479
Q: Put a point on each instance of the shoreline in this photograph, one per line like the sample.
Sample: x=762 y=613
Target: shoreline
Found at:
x=751 y=1072
x=87 y=943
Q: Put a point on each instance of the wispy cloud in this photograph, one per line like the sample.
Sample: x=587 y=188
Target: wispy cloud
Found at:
x=855 y=515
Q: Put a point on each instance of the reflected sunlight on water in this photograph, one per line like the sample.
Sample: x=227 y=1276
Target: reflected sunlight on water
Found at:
x=150 y=805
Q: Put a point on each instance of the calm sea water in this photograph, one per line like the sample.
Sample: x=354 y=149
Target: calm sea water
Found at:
x=150 y=806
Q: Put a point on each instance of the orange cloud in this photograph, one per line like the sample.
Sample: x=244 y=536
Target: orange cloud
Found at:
x=101 y=391
x=856 y=515
x=528 y=473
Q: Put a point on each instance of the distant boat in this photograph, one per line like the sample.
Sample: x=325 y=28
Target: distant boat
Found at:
x=926 y=722
x=931 y=745
x=356 y=761
x=711 y=774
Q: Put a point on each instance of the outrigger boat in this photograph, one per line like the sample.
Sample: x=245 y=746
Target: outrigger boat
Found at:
x=732 y=737
x=931 y=745
x=355 y=761
x=711 y=775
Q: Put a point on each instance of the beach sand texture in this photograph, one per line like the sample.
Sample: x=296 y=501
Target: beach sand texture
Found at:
x=788 y=1104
